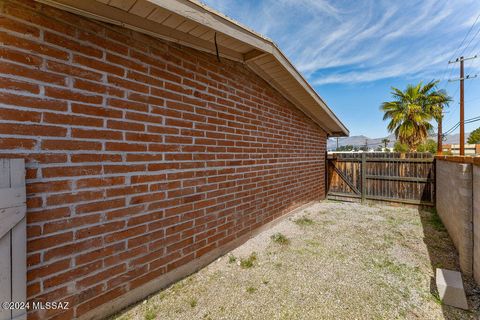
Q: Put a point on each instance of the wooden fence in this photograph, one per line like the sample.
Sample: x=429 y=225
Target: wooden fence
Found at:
x=13 y=253
x=394 y=177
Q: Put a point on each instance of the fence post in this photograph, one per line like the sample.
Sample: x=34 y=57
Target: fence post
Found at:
x=364 y=176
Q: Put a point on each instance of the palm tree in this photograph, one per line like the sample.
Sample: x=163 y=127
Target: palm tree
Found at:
x=411 y=111
x=385 y=142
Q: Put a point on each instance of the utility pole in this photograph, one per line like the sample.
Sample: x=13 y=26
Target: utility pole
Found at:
x=440 y=135
x=462 y=100
x=337 y=143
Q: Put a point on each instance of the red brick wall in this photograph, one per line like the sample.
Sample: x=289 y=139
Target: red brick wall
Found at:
x=141 y=155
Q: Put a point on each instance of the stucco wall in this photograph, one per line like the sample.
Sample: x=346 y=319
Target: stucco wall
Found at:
x=476 y=222
x=454 y=206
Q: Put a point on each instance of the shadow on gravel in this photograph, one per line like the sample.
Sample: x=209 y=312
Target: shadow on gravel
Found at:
x=442 y=254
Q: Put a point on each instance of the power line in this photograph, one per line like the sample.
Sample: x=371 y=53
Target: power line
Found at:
x=466 y=36
x=476 y=34
x=458 y=48
x=471 y=120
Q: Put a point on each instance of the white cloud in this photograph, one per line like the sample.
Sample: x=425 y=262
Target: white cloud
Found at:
x=360 y=41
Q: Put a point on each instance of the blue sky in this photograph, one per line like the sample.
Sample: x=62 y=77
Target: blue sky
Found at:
x=352 y=52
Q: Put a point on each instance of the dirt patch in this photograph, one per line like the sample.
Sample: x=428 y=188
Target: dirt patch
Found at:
x=333 y=261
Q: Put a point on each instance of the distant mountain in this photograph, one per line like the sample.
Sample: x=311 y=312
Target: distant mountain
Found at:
x=359 y=141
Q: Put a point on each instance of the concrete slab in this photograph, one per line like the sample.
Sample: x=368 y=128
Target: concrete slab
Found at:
x=450 y=288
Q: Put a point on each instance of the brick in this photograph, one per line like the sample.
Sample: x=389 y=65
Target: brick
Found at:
x=99 y=182
x=109 y=169
x=143 y=137
x=51 y=186
x=32 y=46
x=99 y=229
x=101 y=299
x=66 y=43
x=20 y=57
x=96 y=111
x=51 y=268
x=125 y=125
x=48 y=242
x=98 y=65
x=129 y=85
x=71 y=223
x=124 y=234
x=67 y=276
x=73 y=71
x=118 y=146
x=140 y=77
x=54 y=172
x=127 y=276
x=32 y=102
x=48 y=214
x=101 y=276
x=146 y=98
x=66 y=94
x=96 y=134
x=19 y=27
x=99 y=253
x=59 y=199
x=94 y=87
x=70 y=145
x=16 y=85
x=124 y=104
x=147 y=277
x=72 y=120
x=38 y=19
x=115 y=192
x=69 y=249
x=97 y=157
x=35 y=130
x=27 y=144
x=104 y=43
x=99 y=206
x=20 y=115
x=121 y=257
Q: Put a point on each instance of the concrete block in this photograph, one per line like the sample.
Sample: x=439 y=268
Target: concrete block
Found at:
x=450 y=288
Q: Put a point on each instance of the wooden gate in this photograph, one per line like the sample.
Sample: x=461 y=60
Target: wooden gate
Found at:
x=394 y=177
x=13 y=262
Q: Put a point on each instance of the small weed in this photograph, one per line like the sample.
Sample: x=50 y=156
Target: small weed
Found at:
x=280 y=238
x=303 y=221
x=251 y=289
x=193 y=303
x=150 y=314
x=436 y=298
x=265 y=281
x=435 y=221
x=232 y=258
x=248 y=262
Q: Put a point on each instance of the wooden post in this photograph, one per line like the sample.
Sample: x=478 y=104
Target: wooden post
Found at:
x=364 y=176
x=327 y=167
x=462 y=111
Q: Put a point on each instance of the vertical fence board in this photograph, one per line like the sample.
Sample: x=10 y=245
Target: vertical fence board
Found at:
x=5 y=272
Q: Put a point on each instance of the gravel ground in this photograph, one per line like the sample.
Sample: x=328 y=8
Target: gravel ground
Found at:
x=330 y=261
